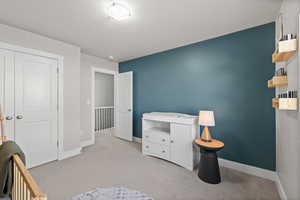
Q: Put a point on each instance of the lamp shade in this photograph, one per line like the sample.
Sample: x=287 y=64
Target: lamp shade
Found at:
x=206 y=118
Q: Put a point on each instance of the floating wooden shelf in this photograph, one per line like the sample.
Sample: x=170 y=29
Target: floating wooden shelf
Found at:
x=285 y=103
x=275 y=102
x=286 y=49
x=282 y=56
x=278 y=81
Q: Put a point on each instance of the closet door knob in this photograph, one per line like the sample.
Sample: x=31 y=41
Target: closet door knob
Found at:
x=163 y=140
x=19 y=116
x=164 y=151
x=172 y=141
x=9 y=118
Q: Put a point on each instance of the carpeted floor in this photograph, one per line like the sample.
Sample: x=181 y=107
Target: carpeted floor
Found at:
x=114 y=162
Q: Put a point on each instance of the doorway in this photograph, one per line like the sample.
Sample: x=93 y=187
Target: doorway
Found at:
x=103 y=101
x=117 y=118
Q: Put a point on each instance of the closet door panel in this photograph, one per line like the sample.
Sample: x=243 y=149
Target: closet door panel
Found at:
x=7 y=91
x=36 y=108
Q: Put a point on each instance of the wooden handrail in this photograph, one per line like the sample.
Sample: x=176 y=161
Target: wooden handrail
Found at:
x=24 y=188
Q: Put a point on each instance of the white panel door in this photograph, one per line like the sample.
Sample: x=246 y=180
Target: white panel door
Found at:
x=181 y=144
x=7 y=91
x=124 y=106
x=36 y=108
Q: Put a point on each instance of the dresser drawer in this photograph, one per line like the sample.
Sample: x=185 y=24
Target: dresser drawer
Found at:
x=157 y=137
x=154 y=149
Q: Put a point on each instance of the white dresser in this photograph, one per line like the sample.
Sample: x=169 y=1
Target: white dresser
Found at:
x=170 y=136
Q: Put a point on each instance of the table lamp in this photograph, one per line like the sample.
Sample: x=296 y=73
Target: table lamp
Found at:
x=206 y=118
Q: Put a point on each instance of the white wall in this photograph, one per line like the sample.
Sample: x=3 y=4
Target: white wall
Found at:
x=71 y=56
x=87 y=62
x=287 y=122
x=104 y=89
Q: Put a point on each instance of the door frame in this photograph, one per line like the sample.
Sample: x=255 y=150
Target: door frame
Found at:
x=60 y=81
x=95 y=70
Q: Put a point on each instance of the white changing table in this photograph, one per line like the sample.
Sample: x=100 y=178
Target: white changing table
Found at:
x=170 y=136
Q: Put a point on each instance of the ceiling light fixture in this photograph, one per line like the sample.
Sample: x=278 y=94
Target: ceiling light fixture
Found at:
x=119 y=11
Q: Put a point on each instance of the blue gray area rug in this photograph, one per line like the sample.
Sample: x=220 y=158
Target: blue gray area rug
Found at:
x=114 y=193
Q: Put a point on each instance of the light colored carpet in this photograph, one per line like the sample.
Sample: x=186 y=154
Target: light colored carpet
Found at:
x=112 y=162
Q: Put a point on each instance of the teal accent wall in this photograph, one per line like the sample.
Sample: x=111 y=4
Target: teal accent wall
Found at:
x=228 y=75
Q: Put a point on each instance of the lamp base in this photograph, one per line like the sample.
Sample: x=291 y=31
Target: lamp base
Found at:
x=206 y=136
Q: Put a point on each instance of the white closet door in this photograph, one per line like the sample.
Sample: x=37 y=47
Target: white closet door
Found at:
x=36 y=108
x=7 y=91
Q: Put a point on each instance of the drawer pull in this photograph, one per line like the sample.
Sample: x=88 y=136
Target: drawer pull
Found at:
x=163 y=151
x=172 y=141
x=163 y=140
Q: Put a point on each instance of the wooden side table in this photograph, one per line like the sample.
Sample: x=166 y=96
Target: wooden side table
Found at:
x=209 y=170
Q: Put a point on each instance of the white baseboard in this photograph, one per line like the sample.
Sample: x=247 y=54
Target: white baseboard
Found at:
x=280 y=189
x=256 y=171
x=69 y=154
x=86 y=143
x=137 y=139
